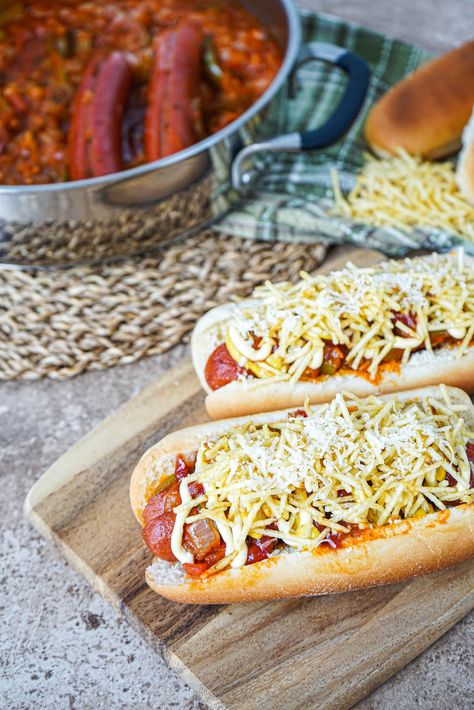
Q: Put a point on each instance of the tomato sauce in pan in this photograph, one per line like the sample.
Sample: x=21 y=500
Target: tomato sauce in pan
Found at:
x=46 y=47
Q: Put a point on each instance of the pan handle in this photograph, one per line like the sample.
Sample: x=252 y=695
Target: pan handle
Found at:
x=335 y=127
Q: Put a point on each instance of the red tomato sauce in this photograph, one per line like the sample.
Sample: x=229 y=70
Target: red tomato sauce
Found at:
x=46 y=46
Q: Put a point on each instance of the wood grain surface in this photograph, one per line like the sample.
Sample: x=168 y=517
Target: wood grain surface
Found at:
x=324 y=651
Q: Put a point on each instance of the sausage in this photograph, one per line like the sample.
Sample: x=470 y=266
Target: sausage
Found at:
x=221 y=368
x=170 y=121
x=162 y=502
x=94 y=135
x=111 y=91
x=80 y=125
x=157 y=536
x=408 y=319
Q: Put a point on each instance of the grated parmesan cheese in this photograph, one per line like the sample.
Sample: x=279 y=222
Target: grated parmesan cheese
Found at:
x=353 y=307
x=366 y=462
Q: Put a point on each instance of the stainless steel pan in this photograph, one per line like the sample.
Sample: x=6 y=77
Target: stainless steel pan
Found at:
x=139 y=209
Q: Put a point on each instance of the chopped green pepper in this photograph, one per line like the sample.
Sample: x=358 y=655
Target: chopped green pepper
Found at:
x=165 y=483
x=328 y=369
x=211 y=63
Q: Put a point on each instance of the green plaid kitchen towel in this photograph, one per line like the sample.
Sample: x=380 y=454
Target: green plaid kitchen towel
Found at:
x=294 y=195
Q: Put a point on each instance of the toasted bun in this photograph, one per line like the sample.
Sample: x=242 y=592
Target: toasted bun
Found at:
x=384 y=555
x=254 y=395
x=465 y=168
x=426 y=112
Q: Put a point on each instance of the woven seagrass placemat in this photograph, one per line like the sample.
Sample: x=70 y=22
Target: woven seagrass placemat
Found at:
x=60 y=323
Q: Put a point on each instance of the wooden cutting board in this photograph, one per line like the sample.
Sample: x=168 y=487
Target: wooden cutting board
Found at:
x=327 y=652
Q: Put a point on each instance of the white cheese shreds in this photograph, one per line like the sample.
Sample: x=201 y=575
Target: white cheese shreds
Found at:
x=363 y=462
x=284 y=328
x=405 y=192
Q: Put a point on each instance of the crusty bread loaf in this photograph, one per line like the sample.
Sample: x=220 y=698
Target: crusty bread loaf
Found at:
x=465 y=168
x=426 y=112
x=384 y=555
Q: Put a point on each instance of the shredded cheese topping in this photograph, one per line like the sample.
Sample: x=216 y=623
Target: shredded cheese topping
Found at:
x=367 y=462
x=355 y=308
x=405 y=192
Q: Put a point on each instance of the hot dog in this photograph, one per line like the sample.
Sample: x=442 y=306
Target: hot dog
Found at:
x=172 y=114
x=326 y=498
x=94 y=135
x=396 y=326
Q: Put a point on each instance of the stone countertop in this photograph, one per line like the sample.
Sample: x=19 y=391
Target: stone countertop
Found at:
x=61 y=645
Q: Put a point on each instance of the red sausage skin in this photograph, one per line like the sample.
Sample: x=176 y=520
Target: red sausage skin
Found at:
x=157 y=536
x=221 y=368
x=94 y=135
x=79 y=131
x=112 y=87
x=173 y=91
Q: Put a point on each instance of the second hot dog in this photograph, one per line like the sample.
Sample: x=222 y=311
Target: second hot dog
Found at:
x=392 y=327
x=319 y=499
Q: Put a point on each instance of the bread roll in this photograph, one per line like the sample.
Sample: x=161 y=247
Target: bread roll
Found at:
x=426 y=112
x=465 y=169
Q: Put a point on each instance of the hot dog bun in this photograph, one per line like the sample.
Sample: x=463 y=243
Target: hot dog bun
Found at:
x=388 y=554
x=465 y=168
x=426 y=112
